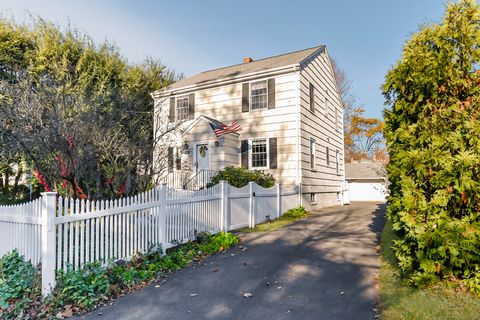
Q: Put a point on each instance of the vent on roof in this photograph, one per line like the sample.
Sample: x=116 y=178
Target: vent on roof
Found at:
x=247 y=60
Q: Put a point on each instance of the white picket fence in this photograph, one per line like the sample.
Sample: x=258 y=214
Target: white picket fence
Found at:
x=59 y=232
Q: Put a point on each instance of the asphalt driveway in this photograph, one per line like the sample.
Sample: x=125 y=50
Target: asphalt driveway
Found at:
x=323 y=267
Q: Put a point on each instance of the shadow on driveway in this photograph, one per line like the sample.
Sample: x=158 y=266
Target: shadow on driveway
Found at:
x=322 y=267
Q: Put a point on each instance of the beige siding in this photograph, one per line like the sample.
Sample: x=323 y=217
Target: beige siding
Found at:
x=224 y=103
x=321 y=126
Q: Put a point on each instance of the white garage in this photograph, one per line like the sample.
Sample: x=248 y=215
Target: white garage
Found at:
x=366 y=181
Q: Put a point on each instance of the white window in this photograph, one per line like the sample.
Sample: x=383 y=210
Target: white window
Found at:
x=313 y=162
x=258 y=95
x=182 y=108
x=313 y=198
x=259 y=154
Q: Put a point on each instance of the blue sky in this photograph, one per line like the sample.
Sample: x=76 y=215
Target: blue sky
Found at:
x=364 y=36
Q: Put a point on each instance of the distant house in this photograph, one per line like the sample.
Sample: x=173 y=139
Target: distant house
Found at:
x=366 y=181
x=289 y=109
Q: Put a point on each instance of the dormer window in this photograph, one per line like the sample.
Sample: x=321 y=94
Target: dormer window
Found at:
x=258 y=95
x=181 y=108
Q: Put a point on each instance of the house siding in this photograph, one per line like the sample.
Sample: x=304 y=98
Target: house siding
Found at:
x=291 y=122
x=321 y=126
x=224 y=103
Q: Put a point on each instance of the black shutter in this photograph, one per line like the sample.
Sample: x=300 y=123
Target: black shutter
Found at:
x=244 y=151
x=273 y=152
x=271 y=93
x=170 y=159
x=191 y=106
x=178 y=163
x=312 y=97
x=245 y=97
x=171 y=115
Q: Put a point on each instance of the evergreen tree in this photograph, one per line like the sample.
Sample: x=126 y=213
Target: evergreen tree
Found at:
x=433 y=139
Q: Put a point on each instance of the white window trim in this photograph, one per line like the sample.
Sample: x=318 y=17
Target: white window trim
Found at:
x=311 y=98
x=176 y=106
x=250 y=95
x=313 y=152
x=250 y=158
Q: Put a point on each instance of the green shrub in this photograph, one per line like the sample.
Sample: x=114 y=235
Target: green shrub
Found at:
x=17 y=279
x=240 y=177
x=218 y=242
x=85 y=287
x=296 y=213
x=433 y=139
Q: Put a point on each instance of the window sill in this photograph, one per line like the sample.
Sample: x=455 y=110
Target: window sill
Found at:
x=260 y=109
x=258 y=168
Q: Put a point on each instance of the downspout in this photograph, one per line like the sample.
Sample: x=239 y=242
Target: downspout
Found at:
x=298 y=115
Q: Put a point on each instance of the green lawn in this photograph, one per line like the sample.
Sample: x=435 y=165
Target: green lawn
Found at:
x=398 y=301
x=287 y=218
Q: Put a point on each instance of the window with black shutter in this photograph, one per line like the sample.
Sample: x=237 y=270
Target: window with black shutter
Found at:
x=258 y=95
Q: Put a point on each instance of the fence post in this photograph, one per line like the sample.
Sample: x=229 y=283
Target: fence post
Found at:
x=162 y=225
x=252 y=205
x=49 y=208
x=224 y=204
x=279 y=200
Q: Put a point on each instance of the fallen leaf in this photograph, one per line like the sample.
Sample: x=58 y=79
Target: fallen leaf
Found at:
x=248 y=295
x=342 y=293
x=193 y=294
x=67 y=313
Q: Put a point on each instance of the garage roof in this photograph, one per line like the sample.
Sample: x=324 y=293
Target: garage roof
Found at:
x=365 y=171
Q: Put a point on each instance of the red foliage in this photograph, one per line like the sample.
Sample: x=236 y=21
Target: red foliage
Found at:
x=42 y=181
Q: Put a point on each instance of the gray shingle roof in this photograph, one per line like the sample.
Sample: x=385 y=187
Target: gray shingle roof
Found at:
x=246 y=68
x=364 y=170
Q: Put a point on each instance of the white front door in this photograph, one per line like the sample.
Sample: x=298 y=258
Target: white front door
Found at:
x=202 y=156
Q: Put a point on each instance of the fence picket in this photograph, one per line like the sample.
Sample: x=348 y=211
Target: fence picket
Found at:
x=101 y=230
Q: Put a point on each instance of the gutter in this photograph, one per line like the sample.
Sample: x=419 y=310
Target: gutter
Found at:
x=299 y=142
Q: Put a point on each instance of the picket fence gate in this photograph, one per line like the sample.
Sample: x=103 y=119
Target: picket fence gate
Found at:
x=63 y=232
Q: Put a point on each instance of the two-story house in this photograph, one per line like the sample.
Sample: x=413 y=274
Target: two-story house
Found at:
x=289 y=109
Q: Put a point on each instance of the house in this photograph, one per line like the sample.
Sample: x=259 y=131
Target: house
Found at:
x=289 y=109
x=366 y=181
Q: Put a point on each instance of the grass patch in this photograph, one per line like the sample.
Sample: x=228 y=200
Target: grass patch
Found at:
x=288 y=217
x=398 y=301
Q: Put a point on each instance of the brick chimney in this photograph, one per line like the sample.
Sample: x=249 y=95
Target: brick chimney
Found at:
x=247 y=60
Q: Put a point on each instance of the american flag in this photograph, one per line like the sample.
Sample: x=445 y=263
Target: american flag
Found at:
x=221 y=129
